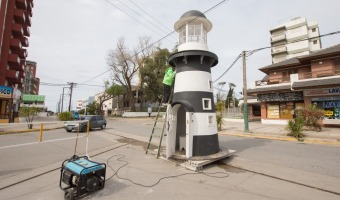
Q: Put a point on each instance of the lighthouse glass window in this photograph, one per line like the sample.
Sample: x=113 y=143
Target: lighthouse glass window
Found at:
x=206 y=104
x=195 y=31
x=182 y=35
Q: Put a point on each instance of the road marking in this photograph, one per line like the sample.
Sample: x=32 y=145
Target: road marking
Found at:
x=47 y=141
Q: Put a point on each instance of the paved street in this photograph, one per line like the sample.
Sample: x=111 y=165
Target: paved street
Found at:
x=261 y=168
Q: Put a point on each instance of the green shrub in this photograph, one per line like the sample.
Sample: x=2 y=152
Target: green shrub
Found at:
x=65 y=116
x=295 y=127
x=312 y=117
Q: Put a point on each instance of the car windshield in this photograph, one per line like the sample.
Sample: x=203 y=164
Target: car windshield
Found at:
x=85 y=118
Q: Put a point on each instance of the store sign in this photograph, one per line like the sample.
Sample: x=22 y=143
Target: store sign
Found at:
x=325 y=91
x=326 y=99
x=6 y=92
x=331 y=104
x=283 y=96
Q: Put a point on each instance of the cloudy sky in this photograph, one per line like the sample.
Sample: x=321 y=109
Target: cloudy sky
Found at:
x=70 y=39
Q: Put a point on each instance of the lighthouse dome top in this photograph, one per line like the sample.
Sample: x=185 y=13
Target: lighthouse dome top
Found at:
x=193 y=16
x=193 y=13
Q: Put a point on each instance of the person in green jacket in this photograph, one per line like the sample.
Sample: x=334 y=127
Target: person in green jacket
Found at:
x=168 y=80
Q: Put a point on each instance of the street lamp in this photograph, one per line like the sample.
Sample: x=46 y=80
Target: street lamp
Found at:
x=221 y=84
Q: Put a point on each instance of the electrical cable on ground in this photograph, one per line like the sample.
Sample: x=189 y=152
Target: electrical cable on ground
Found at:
x=121 y=156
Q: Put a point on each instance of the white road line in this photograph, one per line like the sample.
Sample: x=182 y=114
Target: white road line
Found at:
x=26 y=144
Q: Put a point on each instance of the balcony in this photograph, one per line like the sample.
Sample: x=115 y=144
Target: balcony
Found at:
x=26 y=30
x=28 y=21
x=13 y=60
x=17 y=30
x=24 y=41
x=272 y=81
x=22 y=4
x=279 y=49
x=19 y=16
x=15 y=44
x=30 y=5
x=21 y=53
x=319 y=74
x=22 y=75
x=12 y=75
x=277 y=38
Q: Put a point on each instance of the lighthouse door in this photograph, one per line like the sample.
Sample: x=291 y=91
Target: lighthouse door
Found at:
x=181 y=131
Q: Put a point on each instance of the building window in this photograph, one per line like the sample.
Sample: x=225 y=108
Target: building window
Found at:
x=315 y=42
x=206 y=104
x=210 y=120
x=313 y=29
x=273 y=111
x=210 y=84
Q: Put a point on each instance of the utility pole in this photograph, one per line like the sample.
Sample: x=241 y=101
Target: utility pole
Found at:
x=71 y=88
x=62 y=100
x=245 y=98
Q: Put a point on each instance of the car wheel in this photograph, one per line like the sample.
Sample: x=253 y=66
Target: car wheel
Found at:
x=103 y=126
x=84 y=129
x=69 y=130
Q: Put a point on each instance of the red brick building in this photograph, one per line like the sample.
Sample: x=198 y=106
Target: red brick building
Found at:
x=300 y=82
x=15 y=20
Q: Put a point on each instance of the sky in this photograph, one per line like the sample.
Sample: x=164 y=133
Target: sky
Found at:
x=70 y=39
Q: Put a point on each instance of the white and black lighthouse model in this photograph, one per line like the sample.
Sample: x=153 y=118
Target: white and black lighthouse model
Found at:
x=192 y=118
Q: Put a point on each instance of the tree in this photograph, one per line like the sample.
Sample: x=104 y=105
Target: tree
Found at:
x=230 y=96
x=92 y=108
x=125 y=65
x=109 y=93
x=28 y=113
x=152 y=75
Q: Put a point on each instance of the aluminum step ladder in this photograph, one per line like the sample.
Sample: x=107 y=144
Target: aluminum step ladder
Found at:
x=162 y=121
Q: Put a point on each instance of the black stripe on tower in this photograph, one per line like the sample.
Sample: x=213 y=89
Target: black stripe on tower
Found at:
x=204 y=145
x=193 y=100
x=193 y=60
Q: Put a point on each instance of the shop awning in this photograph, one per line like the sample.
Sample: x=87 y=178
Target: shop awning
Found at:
x=33 y=98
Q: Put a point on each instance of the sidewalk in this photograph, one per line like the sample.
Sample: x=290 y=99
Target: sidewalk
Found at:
x=327 y=135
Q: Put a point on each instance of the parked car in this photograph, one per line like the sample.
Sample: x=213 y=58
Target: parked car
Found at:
x=96 y=121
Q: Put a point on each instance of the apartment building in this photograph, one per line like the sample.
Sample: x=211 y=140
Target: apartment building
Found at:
x=31 y=82
x=297 y=37
x=15 y=20
x=300 y=82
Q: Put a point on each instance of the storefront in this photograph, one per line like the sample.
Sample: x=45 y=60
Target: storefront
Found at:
x=9 y=98
x=327 y=99
x=280 y=106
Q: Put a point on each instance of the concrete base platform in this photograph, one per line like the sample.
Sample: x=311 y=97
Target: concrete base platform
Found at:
x=196 y=163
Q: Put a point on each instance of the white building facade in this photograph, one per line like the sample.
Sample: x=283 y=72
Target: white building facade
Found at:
x=297 y=37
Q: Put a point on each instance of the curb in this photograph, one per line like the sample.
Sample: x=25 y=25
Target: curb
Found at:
x=291 y=139
x=27 y=130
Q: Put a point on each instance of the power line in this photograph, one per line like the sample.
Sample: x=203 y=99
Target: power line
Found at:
x=251 y=52
x=133 y=17
x=155 y=25
x=150 y=15
x=152 y=44
x=232 y=64
x=294 y=41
